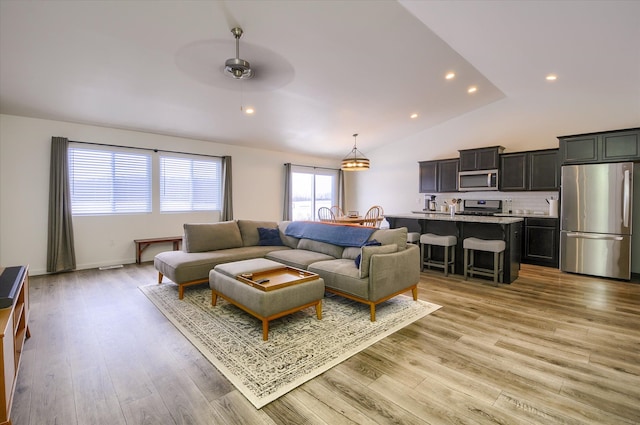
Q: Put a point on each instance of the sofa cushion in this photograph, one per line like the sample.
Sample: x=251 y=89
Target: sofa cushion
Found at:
x=299 y=258
x=289 y=241
x=202 y=237
x=249 y=230
x=183 y=267
x=342 y=275
x=388 y=236
x=269 y=237
x=372 y=242
x=351 y=252
x=368 y=251
x=325 y=248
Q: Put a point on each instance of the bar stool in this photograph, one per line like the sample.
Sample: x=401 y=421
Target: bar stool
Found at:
x=413 y=237
x=429 y=239
x=471 y=245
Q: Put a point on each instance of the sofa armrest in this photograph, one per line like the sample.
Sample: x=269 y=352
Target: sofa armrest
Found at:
x=391 y=273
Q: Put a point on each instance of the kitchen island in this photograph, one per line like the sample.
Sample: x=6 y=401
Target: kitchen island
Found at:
x=508 y=229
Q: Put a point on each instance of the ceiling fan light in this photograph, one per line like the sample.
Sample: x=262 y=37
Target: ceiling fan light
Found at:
x=236 y=68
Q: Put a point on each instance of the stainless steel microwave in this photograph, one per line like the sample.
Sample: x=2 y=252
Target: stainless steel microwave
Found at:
x=478 y=180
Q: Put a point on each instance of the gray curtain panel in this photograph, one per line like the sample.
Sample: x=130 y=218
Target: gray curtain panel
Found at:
x=61 y=254
x=287 y=211
x=341 y=194
x=227 y=195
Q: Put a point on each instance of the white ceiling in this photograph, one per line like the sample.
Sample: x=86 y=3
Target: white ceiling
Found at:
x=324 y=69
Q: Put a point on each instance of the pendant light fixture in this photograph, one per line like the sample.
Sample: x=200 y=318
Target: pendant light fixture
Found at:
x=355 y=160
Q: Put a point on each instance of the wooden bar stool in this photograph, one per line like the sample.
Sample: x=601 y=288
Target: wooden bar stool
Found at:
x=471 y=245
x=413 y=237
x=428 y=240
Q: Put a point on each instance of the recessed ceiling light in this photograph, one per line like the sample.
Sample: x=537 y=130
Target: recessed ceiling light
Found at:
x=249 y=110
x=450 y=75
x=472 y=89
x=551 y=77
x=413 y=116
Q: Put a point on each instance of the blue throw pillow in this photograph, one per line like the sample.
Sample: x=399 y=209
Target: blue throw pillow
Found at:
x=367 y=243
x=269 y=237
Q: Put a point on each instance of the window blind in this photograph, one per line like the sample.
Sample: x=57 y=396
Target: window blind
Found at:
x=109 y=182
x=189 y=184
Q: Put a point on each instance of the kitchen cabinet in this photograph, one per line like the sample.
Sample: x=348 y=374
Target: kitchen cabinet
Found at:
x=480 y=159
x=530 y=171
x=609 y=146
x=439 y=176
x=428 y=176
x=541 y=242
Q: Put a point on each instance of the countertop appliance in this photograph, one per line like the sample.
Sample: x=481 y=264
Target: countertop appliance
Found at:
x=478 y=180
x=481 y=207
x=595 y=219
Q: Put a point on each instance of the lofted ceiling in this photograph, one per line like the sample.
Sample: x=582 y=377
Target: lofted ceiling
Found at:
x=324 y=69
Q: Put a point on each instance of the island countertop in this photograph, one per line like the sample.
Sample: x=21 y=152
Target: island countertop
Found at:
x=458 y=217
x=461 y=226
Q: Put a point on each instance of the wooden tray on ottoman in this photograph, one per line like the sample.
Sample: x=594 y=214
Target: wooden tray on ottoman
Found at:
x=278 y=278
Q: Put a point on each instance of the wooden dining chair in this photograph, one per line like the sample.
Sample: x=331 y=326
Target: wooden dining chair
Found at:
x=337 y=211
x=325 y=214
x=374 y=217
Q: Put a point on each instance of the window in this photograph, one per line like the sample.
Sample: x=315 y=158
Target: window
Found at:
x=189 y=184
x=312 y=188
x=105 y=181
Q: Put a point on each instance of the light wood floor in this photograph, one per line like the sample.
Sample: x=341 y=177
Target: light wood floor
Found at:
x=551 y=348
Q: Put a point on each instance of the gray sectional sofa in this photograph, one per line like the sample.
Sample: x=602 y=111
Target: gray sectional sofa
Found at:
x=384 y=270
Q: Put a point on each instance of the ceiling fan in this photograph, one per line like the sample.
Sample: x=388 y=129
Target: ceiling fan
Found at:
x=237 y=68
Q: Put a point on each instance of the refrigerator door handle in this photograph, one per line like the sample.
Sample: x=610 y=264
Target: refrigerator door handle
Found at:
x=627 y=198
x=591 y=236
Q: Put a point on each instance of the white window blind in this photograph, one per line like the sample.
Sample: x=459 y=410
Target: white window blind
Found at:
x=190 y=184
x=105 y=181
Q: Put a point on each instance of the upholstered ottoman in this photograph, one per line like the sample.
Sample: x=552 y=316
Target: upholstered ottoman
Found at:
x=285 y=291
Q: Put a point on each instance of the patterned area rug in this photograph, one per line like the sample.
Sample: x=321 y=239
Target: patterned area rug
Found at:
x=300 y=346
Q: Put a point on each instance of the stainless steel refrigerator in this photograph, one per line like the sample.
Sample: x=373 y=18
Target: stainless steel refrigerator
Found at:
x=595 y=219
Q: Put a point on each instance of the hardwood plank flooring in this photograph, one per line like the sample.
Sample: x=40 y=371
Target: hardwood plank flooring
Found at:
x=551 y=348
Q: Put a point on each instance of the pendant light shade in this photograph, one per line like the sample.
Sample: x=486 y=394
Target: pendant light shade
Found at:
x=355 y=160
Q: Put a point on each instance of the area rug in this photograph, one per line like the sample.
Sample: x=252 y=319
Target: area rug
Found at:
x=300 y=346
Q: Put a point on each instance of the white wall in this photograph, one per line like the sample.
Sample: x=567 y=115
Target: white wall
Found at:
x=25 y=144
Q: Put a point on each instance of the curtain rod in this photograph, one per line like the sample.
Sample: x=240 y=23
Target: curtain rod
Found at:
x=312 y=166
x=144 y=149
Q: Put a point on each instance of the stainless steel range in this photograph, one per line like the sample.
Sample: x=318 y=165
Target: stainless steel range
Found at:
x=481 y=207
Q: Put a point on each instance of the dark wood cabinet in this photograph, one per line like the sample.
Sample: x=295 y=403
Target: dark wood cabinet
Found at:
x=448 y=175
x=439 y=176
x=428 y=176
x=480 y=159
x=532 y=170
x=513 y=171
x=544 y=170
x=541 y=242
x=610 y=146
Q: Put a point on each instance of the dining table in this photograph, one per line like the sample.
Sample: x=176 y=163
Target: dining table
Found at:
x=350 y=219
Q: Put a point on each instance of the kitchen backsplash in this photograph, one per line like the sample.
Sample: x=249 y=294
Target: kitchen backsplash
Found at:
x=534 y=202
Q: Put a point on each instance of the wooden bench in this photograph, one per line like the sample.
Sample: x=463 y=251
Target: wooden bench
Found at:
x=142 y=244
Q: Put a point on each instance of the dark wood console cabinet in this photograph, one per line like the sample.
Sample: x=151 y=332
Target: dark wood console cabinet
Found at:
x=14 y=318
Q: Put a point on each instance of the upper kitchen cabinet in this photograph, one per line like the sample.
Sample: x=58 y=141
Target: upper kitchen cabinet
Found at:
x=532 y=170
x=609 y=146
x=480 y=159
x=439 y=176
